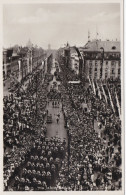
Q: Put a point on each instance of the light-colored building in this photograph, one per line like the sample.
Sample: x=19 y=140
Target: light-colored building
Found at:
x=102 y=59
x=75 y=62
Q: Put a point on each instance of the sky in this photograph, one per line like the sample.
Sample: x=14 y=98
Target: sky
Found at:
x=56 y=24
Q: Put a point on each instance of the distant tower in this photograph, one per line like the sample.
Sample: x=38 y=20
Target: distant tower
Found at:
x=97 y=34
x=88 y=36
x=67 y=44
x=49 y=47
x=29 y=44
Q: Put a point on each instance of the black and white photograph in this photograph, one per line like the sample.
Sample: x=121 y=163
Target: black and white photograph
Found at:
x=62 y=79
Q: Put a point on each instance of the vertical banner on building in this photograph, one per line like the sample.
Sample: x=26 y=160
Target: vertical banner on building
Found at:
x=104 y=93
x=99 y=93
x=119 y=110
x=111 y=100
x=94 y=87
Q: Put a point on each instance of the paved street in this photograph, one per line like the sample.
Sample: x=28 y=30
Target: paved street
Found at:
x=54 y=129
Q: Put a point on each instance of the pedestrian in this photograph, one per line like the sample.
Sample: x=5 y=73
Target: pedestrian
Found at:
x=58 y=115
x=57 y=120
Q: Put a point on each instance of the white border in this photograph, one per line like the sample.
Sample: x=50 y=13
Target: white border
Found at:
x=122 y=85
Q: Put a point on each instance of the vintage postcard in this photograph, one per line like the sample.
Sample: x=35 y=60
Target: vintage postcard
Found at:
x=62 y=81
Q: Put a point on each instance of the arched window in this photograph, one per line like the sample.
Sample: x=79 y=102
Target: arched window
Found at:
x=113 y=47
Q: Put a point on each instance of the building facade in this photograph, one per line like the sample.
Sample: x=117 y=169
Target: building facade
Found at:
x=75 y=62
x=21 y=62
x=102 y=59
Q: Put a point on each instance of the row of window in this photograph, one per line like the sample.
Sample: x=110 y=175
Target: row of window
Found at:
x=105 y=56
x=106 y=71
x=106 y=62
x=106 y=76
x=96 y=69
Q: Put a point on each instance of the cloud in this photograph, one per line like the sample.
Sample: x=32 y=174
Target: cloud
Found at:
x=48 y=16
x=103 y=17
x=39 y=16
x=56 y=24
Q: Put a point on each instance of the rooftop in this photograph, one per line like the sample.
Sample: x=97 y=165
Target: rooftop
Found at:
x=108 y=46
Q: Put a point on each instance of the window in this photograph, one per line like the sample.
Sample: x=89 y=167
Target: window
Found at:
x=90 y=70
x=112 y=63
x=95 y=75
x=95 y=69
x=119 y=71
x=90 y=63
x=106 y=75
x=112 y=71
x=106 y=70
x=93 y=55
x=106 y=56
x=106 y=62
x=96 y=62
x=113 y=47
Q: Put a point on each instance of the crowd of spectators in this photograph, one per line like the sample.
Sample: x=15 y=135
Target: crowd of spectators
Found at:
x=23 y=115
x=31 y=161
x=94 y=157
